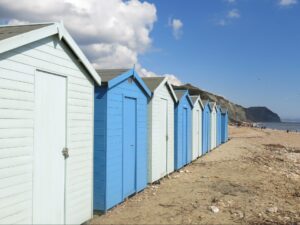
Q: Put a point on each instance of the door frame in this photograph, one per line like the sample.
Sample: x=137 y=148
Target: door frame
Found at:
x=53 y=73
x=186 y=129
x=135 y=97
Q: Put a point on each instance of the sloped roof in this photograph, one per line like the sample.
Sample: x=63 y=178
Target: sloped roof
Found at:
x=197 y=98
x=205 y=102
x=194 y=98
x=180 y=93
x=109 y=74
x=112 y=77
x=12 y=37
x=212 y=105
x=11 y=31
x=153 y=82
x=224 y=110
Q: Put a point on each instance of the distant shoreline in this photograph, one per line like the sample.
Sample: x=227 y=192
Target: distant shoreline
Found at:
x=283 y=126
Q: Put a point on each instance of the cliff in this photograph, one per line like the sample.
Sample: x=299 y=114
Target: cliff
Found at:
x=236 y=112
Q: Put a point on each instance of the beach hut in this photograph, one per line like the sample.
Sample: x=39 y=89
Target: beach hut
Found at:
x=160 y=128
x=196 y=127
x=219 y=125
x=213 y=107
x=183 y=129
x=224 y=125
x=46 y=126
x=206 y=127
x=120 y=148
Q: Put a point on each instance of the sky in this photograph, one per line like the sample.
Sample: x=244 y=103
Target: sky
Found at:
x=245 y=50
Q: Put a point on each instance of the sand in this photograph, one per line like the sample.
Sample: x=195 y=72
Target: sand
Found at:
x=252 y=179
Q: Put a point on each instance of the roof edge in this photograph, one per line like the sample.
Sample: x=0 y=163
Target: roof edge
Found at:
x=54 y=28
x=166 y=82
x=126 y=75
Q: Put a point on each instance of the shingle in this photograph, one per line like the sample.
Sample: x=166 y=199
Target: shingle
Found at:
x=109 y=74
x=153 y=82
x=11 y=31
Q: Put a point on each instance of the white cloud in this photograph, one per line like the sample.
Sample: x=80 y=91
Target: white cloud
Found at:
x=113 y=33
x=287 y=2
x=176 y=25
x=234 y=14
x=229 y=17
x=171 y=77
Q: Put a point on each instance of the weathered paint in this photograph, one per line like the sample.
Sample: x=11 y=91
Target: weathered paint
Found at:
x=206 y=128
x=161 y=133
x=183 y=131
x=120 y=157
x=18 y=70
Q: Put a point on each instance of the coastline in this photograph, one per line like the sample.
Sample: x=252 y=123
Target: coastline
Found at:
x=284 y=126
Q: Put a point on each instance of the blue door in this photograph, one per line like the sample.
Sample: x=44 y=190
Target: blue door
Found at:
x=204 y=133
x=184 y=136
x=129 y=155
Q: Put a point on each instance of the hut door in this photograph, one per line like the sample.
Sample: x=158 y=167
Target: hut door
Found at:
x=197 y=131
x=184 y=136
x=129 y=160
x=49 y=141
x=164 y=136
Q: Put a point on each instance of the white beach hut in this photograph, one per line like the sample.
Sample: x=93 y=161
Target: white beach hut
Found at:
x=197 y=127
x=46 y=126
x=160 y=128
x=213 y=107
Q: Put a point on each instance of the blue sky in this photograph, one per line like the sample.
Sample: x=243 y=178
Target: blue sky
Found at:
x=245 y=50
x=253 y=59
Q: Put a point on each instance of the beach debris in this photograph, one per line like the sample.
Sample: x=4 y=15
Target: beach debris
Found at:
x=272 y=210
x=214 y=209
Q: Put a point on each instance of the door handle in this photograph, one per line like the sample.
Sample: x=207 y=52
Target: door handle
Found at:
x=65 y=152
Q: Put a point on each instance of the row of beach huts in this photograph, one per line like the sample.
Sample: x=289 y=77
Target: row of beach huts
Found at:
x=74 y=139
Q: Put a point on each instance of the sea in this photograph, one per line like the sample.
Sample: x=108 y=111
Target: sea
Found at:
x=291 y=126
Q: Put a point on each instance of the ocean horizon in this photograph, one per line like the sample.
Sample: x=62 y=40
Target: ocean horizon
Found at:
x=291 y=126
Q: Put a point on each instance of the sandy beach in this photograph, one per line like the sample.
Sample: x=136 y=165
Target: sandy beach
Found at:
x=252 y=179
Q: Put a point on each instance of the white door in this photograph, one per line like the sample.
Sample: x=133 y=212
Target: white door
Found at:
x=197 y=132
x=164 y=136
x=49 y=141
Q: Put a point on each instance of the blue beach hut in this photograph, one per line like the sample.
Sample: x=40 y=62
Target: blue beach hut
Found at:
x=206 y=127
x=224 y=125
x=120 y=131
x=183 y=129
x=219 y=126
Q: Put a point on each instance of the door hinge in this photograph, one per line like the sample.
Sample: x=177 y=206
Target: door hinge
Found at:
x=167 y=138
x=65 y=153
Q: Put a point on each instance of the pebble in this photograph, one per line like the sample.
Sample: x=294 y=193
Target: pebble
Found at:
x=272 y=210
x=214 y=209
x=240 y=214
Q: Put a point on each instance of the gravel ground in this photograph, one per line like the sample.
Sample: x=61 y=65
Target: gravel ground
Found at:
x=252 y=179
